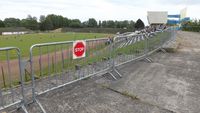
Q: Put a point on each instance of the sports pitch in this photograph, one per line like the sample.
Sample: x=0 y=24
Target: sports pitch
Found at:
x=24 y=42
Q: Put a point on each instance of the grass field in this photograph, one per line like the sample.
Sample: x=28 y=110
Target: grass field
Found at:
x=96 y=53
x=24 y=42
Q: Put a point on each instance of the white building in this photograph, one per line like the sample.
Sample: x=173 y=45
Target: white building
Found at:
x=157 y=17
x=14 y=33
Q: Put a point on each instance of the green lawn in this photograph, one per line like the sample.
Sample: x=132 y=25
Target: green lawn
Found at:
x=24 y=42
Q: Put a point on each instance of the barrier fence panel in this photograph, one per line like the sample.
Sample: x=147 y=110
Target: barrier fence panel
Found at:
x=138 y=46
x=128 y=47
x=53 y=66
x=11 y=78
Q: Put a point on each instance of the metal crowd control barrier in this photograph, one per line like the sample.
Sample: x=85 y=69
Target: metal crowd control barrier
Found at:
x=52 y=65
x=139 y=46
x=12 y=83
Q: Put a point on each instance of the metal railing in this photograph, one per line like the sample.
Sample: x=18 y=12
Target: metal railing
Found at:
x=52 y=65
x=140 y=46
x=12 y=83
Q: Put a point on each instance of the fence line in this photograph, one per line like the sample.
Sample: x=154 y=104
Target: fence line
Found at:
x=11 y=95
x=52 y=65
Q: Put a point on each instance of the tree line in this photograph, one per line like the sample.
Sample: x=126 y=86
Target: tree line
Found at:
x=193 y=25
x=52 y=21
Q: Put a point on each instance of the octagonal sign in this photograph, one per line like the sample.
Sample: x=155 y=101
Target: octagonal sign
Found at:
x=79 y=49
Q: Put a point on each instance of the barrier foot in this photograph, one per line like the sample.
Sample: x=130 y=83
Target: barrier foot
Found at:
x=117 y=72
x=149 y=60
x=163 y=50
x=24 y=109
x=40 y=105
x=112 y=75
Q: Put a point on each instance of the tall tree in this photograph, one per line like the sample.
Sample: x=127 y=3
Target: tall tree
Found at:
x=42 y=18
x=42 y=22
x=92 y=22
x=75 y=23
x=139 y=24
x=110 y=24
x=12 y=22
x=131 y=25
x=1 y=24
x=100 y=25
x=124 y=24
x=48 y=24
x=30 y=23
x=104 y=24
x=65 y=22
x=85 y=24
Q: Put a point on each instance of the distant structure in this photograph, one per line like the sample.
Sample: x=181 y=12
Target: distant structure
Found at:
x=163 y=18
x=178 y=19
x=14 y=33
x=157 y=17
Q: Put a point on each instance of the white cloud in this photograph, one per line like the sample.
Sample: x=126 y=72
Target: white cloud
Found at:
x=98 y=9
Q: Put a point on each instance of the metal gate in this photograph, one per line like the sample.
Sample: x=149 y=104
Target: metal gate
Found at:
x=11 y=77
x=52 y=65
x=131 y=47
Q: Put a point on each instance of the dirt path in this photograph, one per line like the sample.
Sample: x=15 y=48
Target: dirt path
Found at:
x=189 y=42
x=171 y=81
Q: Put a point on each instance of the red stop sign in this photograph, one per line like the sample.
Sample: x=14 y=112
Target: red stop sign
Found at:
x=79 y=49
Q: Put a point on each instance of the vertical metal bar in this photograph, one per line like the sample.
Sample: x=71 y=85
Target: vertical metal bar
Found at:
x=93 y=67
x=32 y=74
x=133 y=43
x=161 y=41
x=63 y=64
x=84 y=61
x=114 y=52
x=40 y=65
x=91 y=55
x=56 y=65
x=40 y=61
x=88 y=56
x=2 y=99
x=9 y=75
x=137 y=50
x=111 y=48
x=48 y=72
x=73 y=64
x=103 y=42
x=146 y=47
x=52 y=63
x=96 y=53
x=69 y=59
x=21 y=76
x=3 y=76
x=26 y=73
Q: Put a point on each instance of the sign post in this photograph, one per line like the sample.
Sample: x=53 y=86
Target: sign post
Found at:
x=79 y=49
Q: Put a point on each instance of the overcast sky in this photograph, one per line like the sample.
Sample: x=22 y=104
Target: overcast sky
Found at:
x=98 y=9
